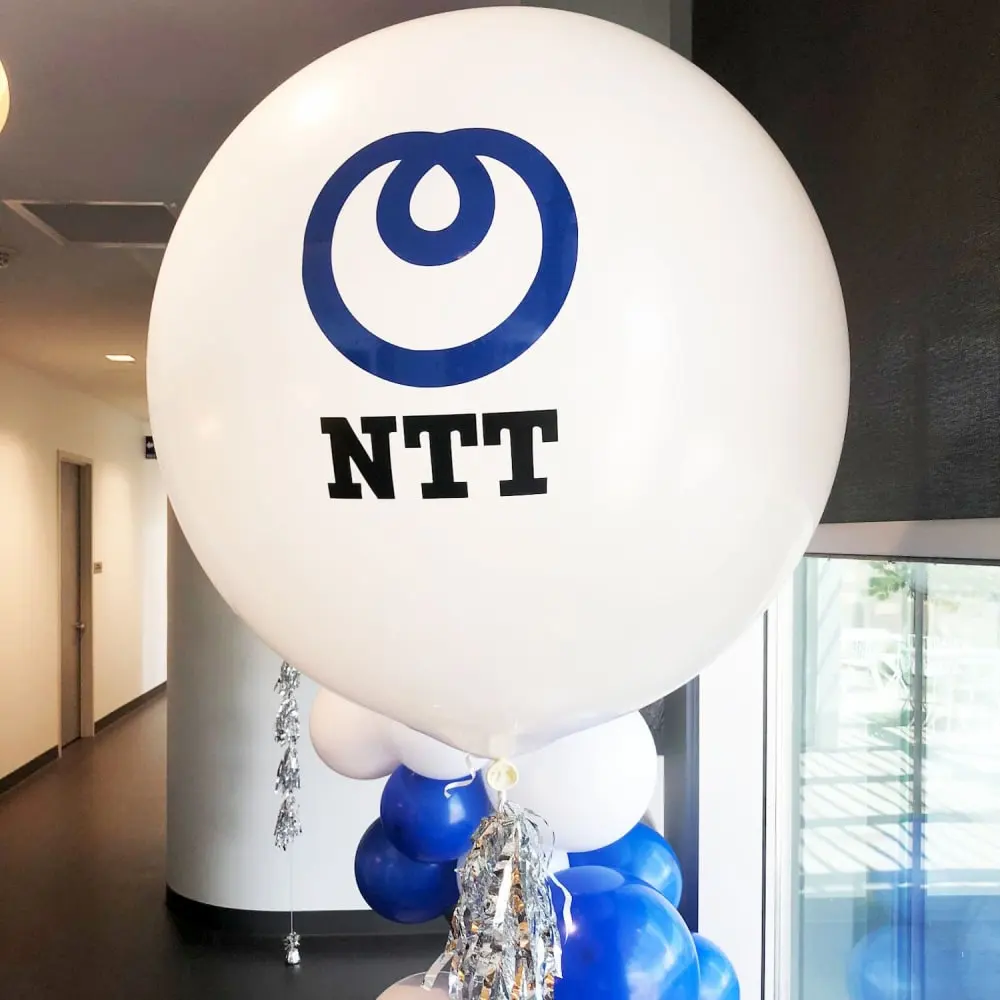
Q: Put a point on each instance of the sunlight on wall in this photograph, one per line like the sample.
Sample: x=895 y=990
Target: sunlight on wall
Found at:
x=28 y=603
x=38 y=420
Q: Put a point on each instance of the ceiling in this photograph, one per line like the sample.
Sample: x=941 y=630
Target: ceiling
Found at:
x=114 y=100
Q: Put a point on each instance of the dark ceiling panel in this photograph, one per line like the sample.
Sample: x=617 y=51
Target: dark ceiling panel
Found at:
x=890 y=114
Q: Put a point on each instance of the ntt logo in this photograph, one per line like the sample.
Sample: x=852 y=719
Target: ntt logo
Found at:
x=459 y=153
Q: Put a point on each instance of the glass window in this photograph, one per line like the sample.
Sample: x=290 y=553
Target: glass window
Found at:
x=898 y=773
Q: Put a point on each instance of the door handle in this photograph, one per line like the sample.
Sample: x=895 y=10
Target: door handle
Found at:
x=81 y=626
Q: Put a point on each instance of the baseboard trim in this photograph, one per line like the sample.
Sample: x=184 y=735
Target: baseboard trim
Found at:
x=8 y=781
x=230 y=923
x=129 y=706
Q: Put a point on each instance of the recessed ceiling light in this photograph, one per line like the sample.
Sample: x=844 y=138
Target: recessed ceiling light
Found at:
x=4 y=97
x=127 y=358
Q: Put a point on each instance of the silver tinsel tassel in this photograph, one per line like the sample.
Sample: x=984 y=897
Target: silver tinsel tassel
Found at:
x=291 y=943
x=287 y=827
x=289 y=778
x=504 y=941
x=288 y=680
x=287 y=729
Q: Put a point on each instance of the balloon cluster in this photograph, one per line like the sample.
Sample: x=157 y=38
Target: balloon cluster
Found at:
x=500 y=510
x=615 y=882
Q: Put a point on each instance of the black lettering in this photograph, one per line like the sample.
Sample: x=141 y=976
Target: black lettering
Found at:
x=439 y=429
x=520 y=427
x=345 y=447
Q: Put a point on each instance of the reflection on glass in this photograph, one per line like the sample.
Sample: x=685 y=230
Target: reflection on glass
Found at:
x=898 y=731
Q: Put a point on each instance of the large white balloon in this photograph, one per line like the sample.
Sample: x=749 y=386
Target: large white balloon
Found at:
x=501 y=353
x=591 y=788
x=350 y=739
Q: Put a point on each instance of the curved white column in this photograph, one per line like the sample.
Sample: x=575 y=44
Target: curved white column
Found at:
x=221 y=762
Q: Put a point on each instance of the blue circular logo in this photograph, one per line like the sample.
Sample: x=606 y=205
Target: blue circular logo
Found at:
x=458 y=152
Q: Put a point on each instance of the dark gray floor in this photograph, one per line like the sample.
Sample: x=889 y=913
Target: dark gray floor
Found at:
x=82 y=914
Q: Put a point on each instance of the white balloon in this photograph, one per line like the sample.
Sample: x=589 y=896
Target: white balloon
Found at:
x=412 y=988
x=655 y=303
x=559 y=862
x=350 y=739
x=430 y=757
x=591 y=788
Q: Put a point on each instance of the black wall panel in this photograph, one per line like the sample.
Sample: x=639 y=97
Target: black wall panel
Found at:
x=889 y=110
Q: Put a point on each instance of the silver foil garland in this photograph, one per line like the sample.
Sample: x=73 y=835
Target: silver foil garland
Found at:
x=287 y=729
x=289 y=779
x=504 y=940
x=288 y=825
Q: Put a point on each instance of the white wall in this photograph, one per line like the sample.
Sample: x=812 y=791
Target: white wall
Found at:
x=731 y=805
x=37 y=420
x=221 y=763
x=154 y=575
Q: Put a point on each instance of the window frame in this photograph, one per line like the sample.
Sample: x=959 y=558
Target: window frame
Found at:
x=965 y=541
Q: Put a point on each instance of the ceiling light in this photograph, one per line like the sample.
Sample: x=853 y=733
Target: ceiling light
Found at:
x=126 y=358
x=4 y=97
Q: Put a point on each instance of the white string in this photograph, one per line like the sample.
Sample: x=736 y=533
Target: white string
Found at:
x=462 y=782
x=291 y=890
x=567 y=906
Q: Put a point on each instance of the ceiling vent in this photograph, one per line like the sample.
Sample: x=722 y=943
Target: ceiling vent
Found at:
x=134 y=224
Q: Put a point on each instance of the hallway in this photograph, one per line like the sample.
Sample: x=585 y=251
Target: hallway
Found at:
x=82 y=913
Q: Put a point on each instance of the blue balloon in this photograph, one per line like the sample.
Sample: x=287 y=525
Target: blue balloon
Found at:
x=718 y=977
x=425 y=822
x=643 y=854
x=977 y=944
x=898 y=962
x=398 y=888
x=874 y=971
x=622 y=940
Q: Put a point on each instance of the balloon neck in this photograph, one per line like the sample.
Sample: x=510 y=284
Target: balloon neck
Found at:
x=502 y=776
